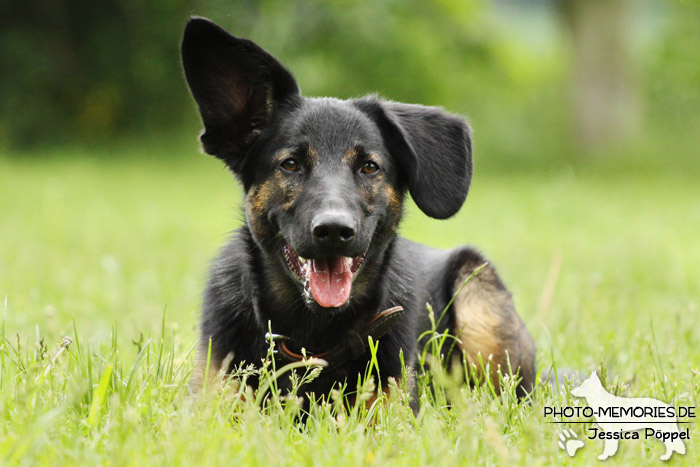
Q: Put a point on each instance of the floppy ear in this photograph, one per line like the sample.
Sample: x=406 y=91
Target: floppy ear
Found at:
x=237 y=86
x=433 y=149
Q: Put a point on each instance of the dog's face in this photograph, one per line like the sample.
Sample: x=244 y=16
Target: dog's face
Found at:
x=324 y=178
x=322 y=192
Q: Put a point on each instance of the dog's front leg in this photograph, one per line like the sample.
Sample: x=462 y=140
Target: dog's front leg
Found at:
x=609 y=449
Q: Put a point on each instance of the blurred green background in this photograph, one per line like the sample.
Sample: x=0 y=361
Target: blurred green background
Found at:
x=543 y=82
x=586 y=120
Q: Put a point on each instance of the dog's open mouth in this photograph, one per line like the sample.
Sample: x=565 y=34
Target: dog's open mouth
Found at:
x=328 y=280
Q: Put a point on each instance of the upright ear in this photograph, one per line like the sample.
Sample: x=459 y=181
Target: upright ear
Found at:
x=433 y=149
x=237 y=86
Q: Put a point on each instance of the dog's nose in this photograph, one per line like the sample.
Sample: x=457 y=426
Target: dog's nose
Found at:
x=333 y=229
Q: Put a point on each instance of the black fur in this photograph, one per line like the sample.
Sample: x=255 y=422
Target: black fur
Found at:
x=327 y=204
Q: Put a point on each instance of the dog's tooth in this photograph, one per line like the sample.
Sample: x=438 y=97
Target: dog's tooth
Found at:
x=302 y=260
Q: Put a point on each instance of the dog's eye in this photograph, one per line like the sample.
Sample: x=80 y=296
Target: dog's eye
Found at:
x=290 y=165
x=369 y=167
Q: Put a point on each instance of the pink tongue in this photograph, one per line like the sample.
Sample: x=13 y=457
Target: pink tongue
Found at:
x=330 y=280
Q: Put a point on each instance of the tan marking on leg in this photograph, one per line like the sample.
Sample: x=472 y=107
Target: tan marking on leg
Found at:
x=369 y=400
x=219 y=381
x=489 y=328
x=197 y=382
x=476 y=326
x=386 y=389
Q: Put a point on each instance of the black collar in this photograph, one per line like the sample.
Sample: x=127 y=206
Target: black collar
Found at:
x=351 y=347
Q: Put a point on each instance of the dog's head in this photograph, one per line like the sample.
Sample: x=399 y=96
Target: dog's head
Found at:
x=588 y=386
x=324 y=178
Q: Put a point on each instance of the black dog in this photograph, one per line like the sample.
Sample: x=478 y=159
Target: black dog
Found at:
x=318 y=257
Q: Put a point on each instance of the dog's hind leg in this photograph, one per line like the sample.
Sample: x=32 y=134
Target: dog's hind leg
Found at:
x=486 y=323
x=675 y=445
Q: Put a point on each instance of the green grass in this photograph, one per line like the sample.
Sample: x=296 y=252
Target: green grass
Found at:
x=113 y=253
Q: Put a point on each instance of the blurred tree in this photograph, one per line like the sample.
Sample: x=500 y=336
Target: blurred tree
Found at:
x=606 y=99
x=81 y=69
x=74 y=70
x=85 y=70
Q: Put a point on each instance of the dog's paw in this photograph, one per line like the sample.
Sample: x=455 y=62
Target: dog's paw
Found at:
x=569 y=442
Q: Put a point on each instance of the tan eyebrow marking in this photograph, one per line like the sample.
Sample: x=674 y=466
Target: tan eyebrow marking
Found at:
x=350 y=156
x=312 y=156
x=353 y=153
x=305 y=152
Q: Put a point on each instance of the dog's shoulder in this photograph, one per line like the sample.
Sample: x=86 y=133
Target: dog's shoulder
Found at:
x=229 y=300
x=230 y=271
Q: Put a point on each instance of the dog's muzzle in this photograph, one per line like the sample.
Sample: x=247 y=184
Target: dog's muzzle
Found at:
x=328 y=280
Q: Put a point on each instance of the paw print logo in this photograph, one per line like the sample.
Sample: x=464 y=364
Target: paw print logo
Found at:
x=569 y=442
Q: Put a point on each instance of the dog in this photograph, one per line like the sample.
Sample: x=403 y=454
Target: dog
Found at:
x=615 y=423
x=318 y=261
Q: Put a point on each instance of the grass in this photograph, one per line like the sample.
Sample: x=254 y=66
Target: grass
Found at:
x=112 y=253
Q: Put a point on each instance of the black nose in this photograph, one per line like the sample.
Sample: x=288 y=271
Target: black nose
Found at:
x=333 y=229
